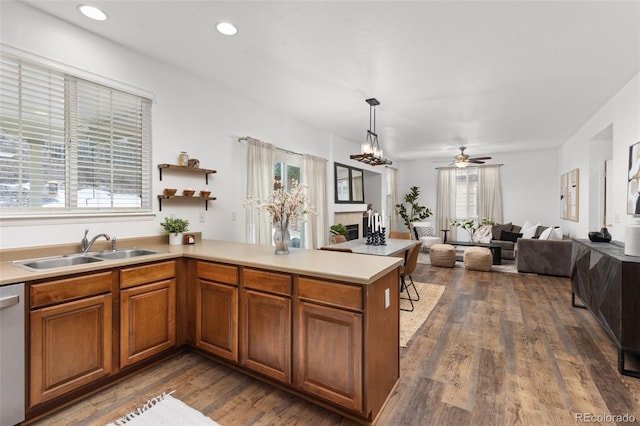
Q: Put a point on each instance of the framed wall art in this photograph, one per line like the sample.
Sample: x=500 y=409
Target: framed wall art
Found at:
x=569 y=195
x=633 y=185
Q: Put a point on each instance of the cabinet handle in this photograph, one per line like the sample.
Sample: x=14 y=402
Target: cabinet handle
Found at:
x=5 y=302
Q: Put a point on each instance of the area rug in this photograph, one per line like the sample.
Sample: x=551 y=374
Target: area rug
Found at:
x=410 y=322
x=508 y=266
x=164 y=410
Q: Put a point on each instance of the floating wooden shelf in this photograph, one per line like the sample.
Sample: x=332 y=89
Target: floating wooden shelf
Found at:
x=183 y=197
x=205 y=172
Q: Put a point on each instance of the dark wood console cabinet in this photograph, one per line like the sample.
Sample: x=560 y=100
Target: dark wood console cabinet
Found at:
x=608 y=283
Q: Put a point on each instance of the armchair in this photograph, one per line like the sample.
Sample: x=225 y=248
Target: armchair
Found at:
x=424 y=232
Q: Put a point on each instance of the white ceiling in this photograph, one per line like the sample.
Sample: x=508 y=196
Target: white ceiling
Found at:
x=499 y=76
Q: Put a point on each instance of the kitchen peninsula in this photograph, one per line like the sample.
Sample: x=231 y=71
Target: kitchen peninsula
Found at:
x=321 y=325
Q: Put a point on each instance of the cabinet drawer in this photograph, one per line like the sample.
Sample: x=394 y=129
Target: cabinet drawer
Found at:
x=216 y=272
x=147 y=274
x=70 y=288
x=267 y=281
x=342 y=295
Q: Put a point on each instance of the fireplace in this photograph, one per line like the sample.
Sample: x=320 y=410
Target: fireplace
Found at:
x=352 y=220
x=353 y=232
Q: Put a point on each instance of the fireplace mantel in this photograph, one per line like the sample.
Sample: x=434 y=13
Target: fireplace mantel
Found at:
x=349 y=208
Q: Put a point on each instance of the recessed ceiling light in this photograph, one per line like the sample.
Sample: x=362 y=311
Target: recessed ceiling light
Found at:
x=226 y=28
x=92 y=12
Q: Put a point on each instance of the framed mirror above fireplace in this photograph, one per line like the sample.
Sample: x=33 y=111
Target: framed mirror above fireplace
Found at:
x=349 y=184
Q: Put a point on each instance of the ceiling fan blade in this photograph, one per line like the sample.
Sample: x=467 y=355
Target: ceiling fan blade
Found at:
x=480 y=158
x=474 y=161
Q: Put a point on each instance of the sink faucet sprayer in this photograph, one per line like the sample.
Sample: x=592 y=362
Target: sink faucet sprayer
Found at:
x=86 y=245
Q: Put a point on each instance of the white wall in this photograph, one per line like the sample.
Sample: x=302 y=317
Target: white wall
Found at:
x=530 y=187
x=623 y=113
x=189 y=114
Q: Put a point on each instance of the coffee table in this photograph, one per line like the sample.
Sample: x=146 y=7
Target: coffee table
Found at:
x=496 y=250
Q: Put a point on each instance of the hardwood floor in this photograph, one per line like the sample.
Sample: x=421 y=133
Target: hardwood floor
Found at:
x=498 y=349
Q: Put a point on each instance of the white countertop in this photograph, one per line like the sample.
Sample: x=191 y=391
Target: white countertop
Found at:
x=392 y=246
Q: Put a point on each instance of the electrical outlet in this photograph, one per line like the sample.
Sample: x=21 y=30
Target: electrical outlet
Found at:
x=201 y=217
x=387 y=298
x=234 y=216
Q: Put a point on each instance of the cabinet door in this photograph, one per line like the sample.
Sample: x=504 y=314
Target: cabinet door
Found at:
x=70 y=346
x=266 y=334
x=147 y=321
x=328 y=354
x=217 y=319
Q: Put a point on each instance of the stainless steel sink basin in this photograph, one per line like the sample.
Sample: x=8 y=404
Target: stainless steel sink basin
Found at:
x=56 y=262
x=123 y=254
x=80 y=259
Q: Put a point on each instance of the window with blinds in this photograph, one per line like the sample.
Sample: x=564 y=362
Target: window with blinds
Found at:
x=70 y=145
x=467 y=193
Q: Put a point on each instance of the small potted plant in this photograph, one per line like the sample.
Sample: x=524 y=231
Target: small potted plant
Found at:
x=176 y=228
x=338 y=229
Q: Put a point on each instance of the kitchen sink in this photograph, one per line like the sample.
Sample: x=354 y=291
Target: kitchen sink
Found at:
x=123 y=254
x=56 y=262
x=80 y=259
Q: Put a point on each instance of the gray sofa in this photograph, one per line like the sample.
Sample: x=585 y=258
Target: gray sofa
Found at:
x=546 y=257
x=507 y=248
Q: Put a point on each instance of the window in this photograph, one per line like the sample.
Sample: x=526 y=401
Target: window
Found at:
x=69 y=145
x=467 y=193
x=288 y=169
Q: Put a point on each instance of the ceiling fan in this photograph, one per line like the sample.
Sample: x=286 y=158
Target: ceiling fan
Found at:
x=463 y=160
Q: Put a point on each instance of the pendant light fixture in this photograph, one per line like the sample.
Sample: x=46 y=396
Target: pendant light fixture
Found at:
x=370 y=151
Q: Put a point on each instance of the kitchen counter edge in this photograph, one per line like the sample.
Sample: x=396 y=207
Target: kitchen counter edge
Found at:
x=359 y=269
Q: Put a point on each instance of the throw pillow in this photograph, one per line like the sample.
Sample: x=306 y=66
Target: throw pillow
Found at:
x=510 y=236
x=546 y=234
x=424 y=231
x=539 y=230
x=528 y=230
x=556 y=234
x=496 y=230
x=483 y=234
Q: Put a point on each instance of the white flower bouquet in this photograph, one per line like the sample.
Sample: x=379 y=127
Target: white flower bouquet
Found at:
x=287 y=208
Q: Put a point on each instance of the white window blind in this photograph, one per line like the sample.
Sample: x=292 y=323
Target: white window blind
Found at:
x=69 y=144
x=467 y=193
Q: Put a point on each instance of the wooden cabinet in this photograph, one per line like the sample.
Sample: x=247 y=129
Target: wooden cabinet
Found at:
x=266 y=323
x=70 y=334
x=147 y=311
x=608 y=283
x=329 y=342
x=217 y=309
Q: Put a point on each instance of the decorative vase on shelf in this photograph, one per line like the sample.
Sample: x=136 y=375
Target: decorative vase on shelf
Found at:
x=175 y=238
x=281 y=237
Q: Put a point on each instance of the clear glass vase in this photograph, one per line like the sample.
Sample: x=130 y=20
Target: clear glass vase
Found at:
x=281 y=237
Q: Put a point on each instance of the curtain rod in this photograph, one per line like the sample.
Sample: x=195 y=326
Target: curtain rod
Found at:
x=245 y=138
x=468 y=167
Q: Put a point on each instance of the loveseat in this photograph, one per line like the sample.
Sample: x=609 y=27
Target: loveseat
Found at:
x=547 y=257
x=505 y=235
x=532 y=248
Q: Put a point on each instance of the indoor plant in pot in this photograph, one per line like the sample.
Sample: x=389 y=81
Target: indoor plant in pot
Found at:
x=415 y=212
x=176 y=228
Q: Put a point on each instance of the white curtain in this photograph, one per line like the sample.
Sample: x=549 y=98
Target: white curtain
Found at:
x=316 y=228
x=392 y=198
x=260 y=177
x=490 y=193
x=446 y=208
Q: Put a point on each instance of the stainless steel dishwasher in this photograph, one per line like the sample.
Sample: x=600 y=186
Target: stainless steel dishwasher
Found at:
x=12 y=386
